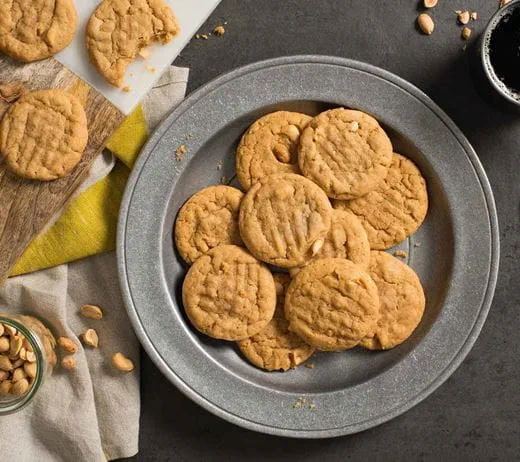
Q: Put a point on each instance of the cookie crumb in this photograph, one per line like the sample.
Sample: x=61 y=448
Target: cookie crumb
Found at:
x=219 y=31
x=151 y=69
x=473 y=16
x=204 y=36
x=127 y=89
x=303 y=403
x=417 y=244
x=466 y=33
x=312 y=406
x=197 y=36
x=310 y=365
x=223 y=180
x=401 y=253
x=179 y=152
x=144 y=53
x=188 y=136
x=220 y=166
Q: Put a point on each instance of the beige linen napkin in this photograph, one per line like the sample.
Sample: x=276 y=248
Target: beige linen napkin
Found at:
x=91 y=413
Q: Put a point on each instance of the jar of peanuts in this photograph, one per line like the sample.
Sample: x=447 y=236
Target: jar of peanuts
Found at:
x=27 y=358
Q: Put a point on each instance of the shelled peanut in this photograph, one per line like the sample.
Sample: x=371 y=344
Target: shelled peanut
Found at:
x=18 y=365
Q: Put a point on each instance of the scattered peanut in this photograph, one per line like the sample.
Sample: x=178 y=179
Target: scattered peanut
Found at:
x=31 y=356
x=425 y=23
x=430 y=3
x=90 y=338
x=504 y=3
x=473 y=16
x=466 y=33
x=68 y=362
x=30 y=369
x=20 y=388
x=17 y=363
x=91 y=312
x=463 y=17
x=4 y=344
x=122 y=363
x=3 y=375
x=67 y=345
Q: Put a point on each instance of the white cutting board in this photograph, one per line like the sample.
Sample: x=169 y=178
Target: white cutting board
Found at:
x=191 y=15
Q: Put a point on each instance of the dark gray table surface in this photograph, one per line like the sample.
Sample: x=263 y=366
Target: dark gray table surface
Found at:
x=475 y=415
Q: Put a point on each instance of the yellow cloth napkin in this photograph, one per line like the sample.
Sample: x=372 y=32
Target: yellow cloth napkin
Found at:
x=88 y=224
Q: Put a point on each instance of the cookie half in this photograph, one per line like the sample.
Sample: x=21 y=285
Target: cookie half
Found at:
x=228 y=294
x=43 y=135
x=31 y=30
x=208 y=219
x=282 y=216
x=119 y=29
x=396 y=208
x=270 y=146
x=345 y=152
x=332 y=304
x=276 y=347
x=402 y=302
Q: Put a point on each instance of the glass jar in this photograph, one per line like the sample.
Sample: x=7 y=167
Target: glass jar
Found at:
x=35 y=359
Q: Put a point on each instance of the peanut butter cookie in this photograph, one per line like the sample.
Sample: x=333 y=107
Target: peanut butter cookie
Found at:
x=282 y=216
x=228 y=294
x=207 y=220
x=346 y=239
x=43 y=135
x=119 y=29
x=395 y=209
x=270 y=146
x=332 y=304
x=402 y=302
x=345 y=152
x=31 y=30
x=275 y=347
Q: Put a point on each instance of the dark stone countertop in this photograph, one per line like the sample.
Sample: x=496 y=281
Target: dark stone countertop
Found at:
x=475 y=415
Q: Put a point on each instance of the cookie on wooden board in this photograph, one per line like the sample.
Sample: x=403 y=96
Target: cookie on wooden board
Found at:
x=396 y=208
x=270 y=146
x=31 y=30
x=43 y=135
x=208 y=219
x=282 y=216
x=402 y=302
x=119 y=29
x=332 y=304
x=345 y=152
x=276 y=347
x=228 y=294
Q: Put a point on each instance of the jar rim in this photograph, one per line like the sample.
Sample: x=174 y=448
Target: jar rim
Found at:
x=36 y=344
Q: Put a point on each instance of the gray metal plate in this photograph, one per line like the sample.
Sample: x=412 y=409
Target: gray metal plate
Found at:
x=455 y=252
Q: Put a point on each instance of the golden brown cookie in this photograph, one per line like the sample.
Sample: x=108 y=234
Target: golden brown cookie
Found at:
x=119 y=29
x=282 y=216
x=345 y=152
x=332 y=304
x=395 y=209
x=275 y=347
x=346 y=239
x=36 y=29
x=402 y=302
x=270 y=146
x=43 y=135
x=228 y=294
x=207 y=220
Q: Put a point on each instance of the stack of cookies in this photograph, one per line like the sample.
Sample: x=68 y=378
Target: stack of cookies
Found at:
x=325 y=196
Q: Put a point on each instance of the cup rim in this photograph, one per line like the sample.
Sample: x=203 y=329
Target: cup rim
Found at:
x=485 y=56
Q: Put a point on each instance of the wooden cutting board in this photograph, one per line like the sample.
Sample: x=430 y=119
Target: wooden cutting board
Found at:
x=27 y=206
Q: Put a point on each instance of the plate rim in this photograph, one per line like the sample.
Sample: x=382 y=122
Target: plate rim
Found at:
x=459 y=356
